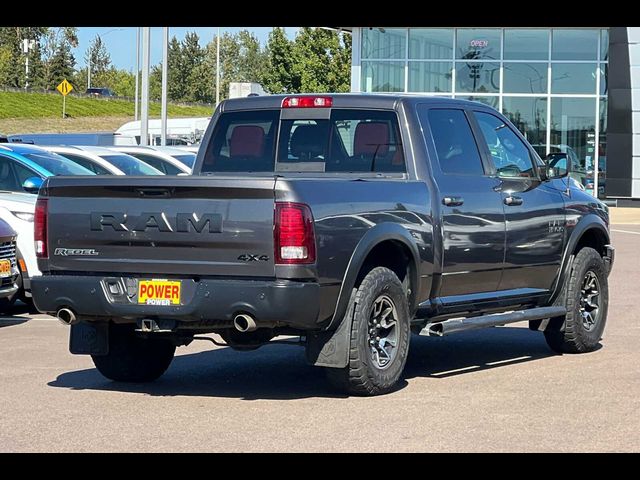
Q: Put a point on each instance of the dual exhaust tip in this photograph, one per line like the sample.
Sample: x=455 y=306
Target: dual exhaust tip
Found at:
x=242 y=322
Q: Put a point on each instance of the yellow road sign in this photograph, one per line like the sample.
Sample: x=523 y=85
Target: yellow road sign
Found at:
x=64 y=88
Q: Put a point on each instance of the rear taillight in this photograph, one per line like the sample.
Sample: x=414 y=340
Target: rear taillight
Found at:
x=294 y=239
x=40 y=228
x=307 y=102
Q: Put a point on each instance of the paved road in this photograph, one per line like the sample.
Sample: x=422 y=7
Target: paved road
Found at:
x=494 y=390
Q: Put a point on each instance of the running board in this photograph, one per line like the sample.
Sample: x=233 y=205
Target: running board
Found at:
x=453 y=325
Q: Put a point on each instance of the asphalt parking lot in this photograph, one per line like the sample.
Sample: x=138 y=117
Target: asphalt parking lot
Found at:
x=499 y=389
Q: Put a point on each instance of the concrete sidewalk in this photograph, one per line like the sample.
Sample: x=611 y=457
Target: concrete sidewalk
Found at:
x=622 y=215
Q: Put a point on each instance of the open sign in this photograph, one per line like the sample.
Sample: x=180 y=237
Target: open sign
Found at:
x=479 y=43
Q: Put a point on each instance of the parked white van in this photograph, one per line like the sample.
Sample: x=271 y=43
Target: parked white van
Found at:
x=180 y=131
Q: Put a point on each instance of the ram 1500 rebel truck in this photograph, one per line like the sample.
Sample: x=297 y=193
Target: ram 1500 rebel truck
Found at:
x=349 y=221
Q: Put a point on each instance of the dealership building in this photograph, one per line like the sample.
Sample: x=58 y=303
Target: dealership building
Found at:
x=571 y=90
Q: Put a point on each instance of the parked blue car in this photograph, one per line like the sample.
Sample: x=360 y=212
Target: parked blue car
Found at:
x=24 y=167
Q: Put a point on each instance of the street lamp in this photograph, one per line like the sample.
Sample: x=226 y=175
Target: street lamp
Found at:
x=218 y=67
x=89 y=59
x=27 y=45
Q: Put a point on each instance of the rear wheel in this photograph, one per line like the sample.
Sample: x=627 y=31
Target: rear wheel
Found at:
x=586 y=296
x=132 y=358
x=379 y=342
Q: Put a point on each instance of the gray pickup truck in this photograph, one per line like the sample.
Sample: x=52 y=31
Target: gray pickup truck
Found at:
x=349 y=221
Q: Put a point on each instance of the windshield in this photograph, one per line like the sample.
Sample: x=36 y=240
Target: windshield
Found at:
x=188 y=159
x=57 y=164
x=347 y=140
x=131 y=165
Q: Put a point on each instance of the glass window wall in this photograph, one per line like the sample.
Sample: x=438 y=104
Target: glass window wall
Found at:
x=551 y=83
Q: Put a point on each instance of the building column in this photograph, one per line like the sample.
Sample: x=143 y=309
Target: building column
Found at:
x=623 y=130
x=356 y=41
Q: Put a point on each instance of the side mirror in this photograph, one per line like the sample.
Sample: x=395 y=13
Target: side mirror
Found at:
x=558 y=165
x=32 y=184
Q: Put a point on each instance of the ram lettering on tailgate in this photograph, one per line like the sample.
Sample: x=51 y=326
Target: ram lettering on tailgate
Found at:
x=181 y=222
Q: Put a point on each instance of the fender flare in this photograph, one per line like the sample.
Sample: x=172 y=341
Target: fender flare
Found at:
x=586 y=223
x=330 y=348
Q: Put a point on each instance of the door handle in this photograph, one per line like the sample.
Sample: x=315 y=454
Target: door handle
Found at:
x=452 y=201
x=511 y=201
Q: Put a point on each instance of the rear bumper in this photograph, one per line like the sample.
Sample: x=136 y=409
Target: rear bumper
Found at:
x=7 y=291
x=290 y=303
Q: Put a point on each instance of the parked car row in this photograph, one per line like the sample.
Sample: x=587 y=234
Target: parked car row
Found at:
x=23 y=168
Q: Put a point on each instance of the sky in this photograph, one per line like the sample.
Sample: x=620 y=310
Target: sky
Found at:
x=121 y=41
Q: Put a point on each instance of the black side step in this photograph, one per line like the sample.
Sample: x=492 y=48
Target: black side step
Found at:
x=461 y=324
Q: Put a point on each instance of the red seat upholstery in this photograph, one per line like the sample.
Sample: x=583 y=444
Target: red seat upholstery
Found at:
x=371 y=138
x=246 y=141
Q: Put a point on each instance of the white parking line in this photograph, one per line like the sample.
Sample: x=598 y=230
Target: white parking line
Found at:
x=625 y=231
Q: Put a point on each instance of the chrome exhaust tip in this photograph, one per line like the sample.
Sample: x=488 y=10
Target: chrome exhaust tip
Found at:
x=244 y=323
x=66 y=316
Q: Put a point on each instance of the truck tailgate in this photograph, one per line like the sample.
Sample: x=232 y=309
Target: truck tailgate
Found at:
x=184 y=226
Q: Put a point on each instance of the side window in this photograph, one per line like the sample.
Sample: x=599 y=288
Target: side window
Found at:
x=81 y=161
x=153 y=161
x=171 y=169
x=456 y=148
x=8 y=179
x=510 y=155
x=22 y=173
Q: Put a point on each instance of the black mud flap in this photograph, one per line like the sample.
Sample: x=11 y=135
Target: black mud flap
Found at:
x=89 y=338
x=331 y=349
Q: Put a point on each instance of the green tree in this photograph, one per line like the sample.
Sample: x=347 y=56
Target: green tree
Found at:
x=62 y=65
x=320 y=60
x=175 y=71
x=57 y=58
x=278 y=73
x=204 y=90
x=252 y=58
x=193 y=57
x=6 y=65
x=241 y=60
x=98 y=60
x=11 y=41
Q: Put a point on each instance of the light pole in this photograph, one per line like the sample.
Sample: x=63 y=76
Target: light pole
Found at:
x=218 y=68
x=27 y=45
x=89 y=59
x=165 y=72
x=137 y=72
x=144 y=107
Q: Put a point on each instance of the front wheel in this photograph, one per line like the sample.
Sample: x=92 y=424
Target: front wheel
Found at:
x=379 y=342
x=132 y=358
x=586 y=296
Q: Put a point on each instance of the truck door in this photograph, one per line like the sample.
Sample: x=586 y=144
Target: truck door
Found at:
x=472 y=218
x=534 y=210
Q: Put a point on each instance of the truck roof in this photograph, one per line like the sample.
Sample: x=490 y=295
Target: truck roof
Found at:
x=342 y=100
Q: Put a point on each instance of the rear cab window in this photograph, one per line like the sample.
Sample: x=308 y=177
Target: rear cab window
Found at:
x=456 y=148
x=349 y=140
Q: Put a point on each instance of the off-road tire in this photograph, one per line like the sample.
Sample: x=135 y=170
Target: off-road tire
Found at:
x=568 y=334
x=362 y=376
x=132 y=358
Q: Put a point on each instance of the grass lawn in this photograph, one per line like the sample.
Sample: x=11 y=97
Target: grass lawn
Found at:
x=49 y=105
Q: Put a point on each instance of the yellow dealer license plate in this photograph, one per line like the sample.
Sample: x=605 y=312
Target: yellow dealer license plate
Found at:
x=159 y=292
x=5 y=268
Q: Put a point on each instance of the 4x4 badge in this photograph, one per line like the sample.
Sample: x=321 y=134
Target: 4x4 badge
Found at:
x=248 y=257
